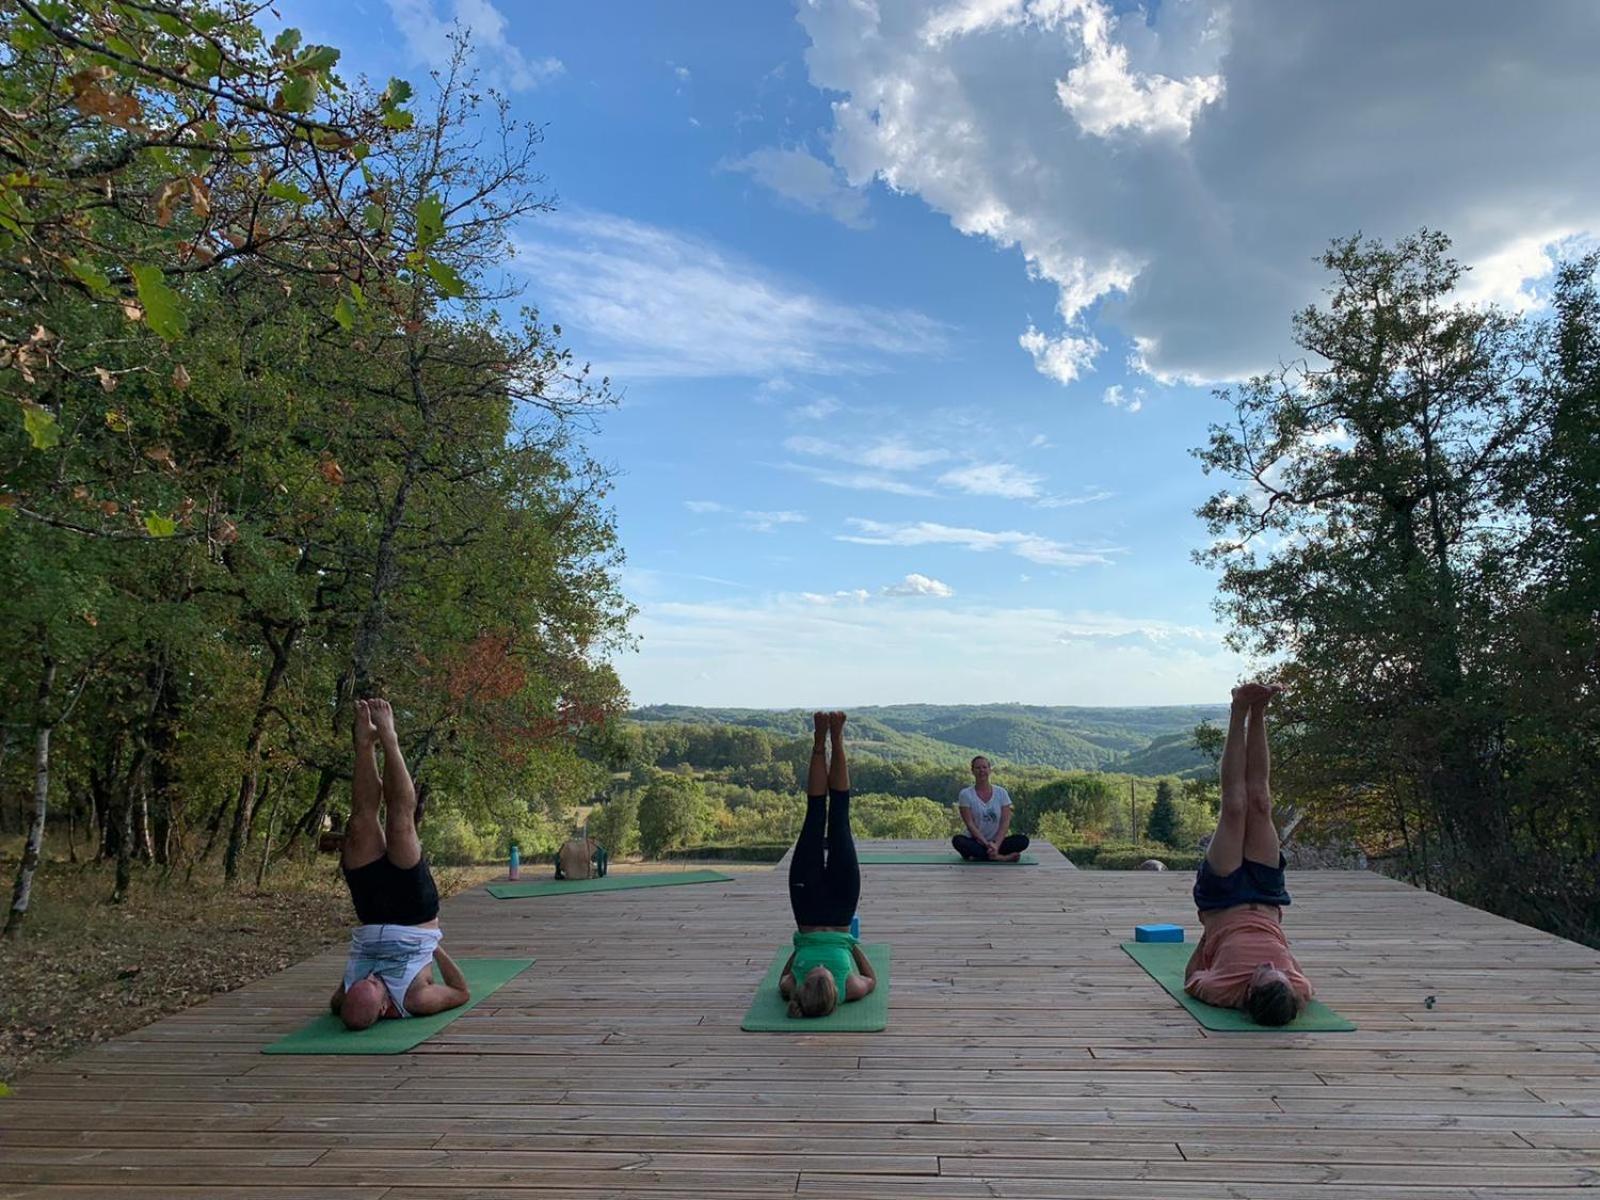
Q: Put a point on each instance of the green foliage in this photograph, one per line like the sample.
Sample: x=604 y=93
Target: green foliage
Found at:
x=1127 y=856
x=1084 y=802
x=1162 y=824
x=615 y=824
x=1420 y=567
x=451 y=841
x=673 y=811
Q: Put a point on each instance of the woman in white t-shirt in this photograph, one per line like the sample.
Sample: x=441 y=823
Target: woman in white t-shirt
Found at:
x=986 y=811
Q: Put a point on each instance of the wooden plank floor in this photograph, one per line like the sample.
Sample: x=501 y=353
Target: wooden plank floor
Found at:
x=1026 y=1056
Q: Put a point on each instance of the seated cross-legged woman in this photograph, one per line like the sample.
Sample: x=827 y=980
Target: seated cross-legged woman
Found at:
x=828 y=966
x=389 y=971
x=986 y=812
x=1243 y=958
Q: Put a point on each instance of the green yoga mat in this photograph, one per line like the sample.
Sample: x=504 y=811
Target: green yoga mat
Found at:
x=769 y=1012
x=610 y=883
x=887 y=858
x=327 y=1034
x=1165 y=961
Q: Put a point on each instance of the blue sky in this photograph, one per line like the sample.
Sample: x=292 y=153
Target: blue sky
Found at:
x=916 y=307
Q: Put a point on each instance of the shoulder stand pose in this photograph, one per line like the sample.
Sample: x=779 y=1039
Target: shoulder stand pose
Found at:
x=986 y=812
x=828 y=966
x=1243 y=958
x=390 y=969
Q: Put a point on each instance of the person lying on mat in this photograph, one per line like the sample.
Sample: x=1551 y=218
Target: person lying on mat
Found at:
x=986 y=812
x=1243 y=958
x=389 y=972
x=827 y=965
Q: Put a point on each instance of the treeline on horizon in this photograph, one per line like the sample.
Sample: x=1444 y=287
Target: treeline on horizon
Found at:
x=278 y=436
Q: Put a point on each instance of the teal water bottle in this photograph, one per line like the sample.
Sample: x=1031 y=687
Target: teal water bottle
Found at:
x=516 y=860
x=855 y=926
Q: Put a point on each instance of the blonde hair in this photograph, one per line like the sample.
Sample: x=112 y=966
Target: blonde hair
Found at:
x=816 y=995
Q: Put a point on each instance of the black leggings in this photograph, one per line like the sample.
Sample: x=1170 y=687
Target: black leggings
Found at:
x=971 y=847
x=825 y=888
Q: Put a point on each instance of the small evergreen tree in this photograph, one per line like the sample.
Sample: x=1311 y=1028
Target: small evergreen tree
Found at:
x=1162 y=824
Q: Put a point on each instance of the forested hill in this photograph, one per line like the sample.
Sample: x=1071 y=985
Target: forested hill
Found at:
x=1143 y=741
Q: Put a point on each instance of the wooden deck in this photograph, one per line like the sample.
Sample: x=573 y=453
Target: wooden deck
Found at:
x=1025 y=1056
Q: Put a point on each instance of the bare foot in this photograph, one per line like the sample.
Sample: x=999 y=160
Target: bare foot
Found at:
x=836 y=722
x=1254 y=694
x=366 y=732
x=382 y=718
x=819 y=721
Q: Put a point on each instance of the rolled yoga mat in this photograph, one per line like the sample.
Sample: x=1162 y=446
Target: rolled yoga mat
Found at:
x=769 y=1012
x=610 y=883
x=890 y=858
x=1165 y=961
x=327 y=1034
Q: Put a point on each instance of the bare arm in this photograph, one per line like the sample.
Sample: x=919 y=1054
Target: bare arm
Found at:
x=439 y=997
x=786 y=979
x=968 y=820
x=864 y=979
x=1005 y=825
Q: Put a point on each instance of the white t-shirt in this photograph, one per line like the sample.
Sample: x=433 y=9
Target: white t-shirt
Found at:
x=986 y=816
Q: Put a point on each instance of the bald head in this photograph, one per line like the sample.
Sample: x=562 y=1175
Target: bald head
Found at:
x=363 y=1004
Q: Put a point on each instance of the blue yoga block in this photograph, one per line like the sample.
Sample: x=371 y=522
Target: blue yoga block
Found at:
x=1158 y=933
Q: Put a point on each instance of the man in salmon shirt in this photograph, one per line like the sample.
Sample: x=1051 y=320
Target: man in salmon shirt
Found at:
x=1243 y=959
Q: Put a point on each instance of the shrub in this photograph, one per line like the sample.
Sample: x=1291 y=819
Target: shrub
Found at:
x=450 y=840
x=615 y=824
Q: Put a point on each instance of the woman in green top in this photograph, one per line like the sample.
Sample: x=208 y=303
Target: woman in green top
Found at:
x=824 y=886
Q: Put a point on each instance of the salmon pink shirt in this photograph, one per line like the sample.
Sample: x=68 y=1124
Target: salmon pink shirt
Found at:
x=1236 y=941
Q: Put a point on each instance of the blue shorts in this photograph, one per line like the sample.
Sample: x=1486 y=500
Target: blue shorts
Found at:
x=1252 y=883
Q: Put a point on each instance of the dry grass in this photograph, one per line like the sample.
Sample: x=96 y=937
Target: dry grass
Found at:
x=83 y=970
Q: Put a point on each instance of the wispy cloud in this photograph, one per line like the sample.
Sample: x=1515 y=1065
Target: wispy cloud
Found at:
x=885 y=454
x=807 y=182
x=662 y=303
x=754 y=520
x=859 y=481
x=1031 y=546
x=428 y=33
x=1118 y=397
x=1000 y=479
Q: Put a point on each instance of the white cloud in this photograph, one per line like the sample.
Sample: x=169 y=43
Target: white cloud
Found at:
x=756 y=521
x=994 y=479
x=670 y=304
x=855 y=596
x=766 y=522
x=919 y=585
x=805 y=180
x=1218 y=148
x=859 y=481
x=780 y=651
x=427 y=35
x=1031 y=546
x=1063 y=358
x=885 y=454
x=1117 y=397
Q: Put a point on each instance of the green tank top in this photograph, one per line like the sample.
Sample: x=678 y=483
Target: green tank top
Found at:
x=825 y=948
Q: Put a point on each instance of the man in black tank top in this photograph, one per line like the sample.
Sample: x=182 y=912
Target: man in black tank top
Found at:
x=390 y=969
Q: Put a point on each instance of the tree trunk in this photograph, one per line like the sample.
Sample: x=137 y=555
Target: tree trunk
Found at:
x=244 y=803
x=119 y=891
x=22 y=893
x=266 y=844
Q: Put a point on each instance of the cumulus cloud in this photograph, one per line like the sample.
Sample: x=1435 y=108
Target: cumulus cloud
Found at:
x=806 y=181
x=919 y=585
x=665 y=303
x=1174 y=169
x=1031 y=546
x=427 y=34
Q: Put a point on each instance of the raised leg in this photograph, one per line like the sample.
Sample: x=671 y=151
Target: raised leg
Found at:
x=1260 y=834
x=399 y=797
x=817 y=772
x=1226 y=851
x=844 y=871
x=363 y=836
x=838 y=769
